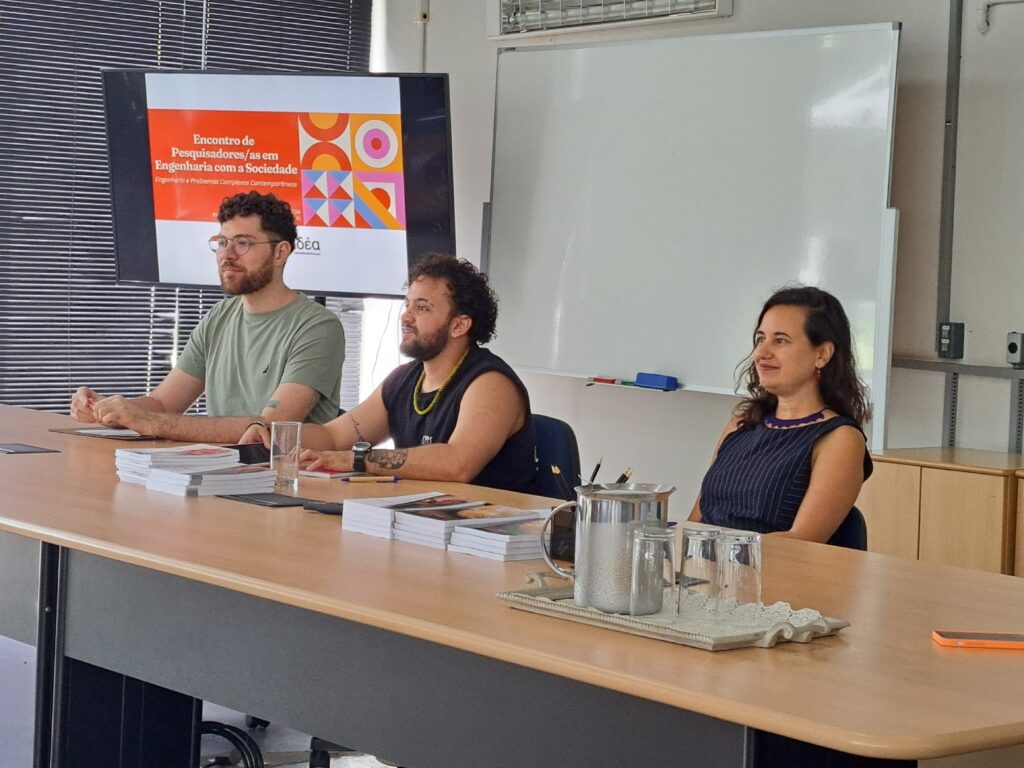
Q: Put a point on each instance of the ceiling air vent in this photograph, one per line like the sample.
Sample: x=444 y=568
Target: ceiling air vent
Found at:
x=517 y=17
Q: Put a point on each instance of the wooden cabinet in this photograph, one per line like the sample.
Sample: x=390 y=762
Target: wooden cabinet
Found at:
x=1019 y=536
x=954 y=506
x=890 y=501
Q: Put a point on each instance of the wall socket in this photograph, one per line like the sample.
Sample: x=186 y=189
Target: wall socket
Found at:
x=951 y=341
x=1015 y=349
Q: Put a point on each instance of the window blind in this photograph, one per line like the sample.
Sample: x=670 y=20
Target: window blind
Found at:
x=63 y=321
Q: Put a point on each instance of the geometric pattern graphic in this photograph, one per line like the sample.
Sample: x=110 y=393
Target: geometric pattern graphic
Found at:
x=327 y=198
x=351 y=171
x=380 y=200
x=376 y=143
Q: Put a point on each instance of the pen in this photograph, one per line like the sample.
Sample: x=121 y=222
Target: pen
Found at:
x=603 y=380
x=593 y=474
x=372 y=479
x=625 y=476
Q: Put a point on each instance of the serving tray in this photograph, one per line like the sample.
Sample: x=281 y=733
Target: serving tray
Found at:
x=696 y=625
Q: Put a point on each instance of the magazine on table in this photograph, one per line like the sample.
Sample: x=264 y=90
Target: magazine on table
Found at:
x=447 y=519
x=433 y=515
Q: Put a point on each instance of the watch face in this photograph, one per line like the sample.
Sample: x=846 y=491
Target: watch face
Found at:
x=361 y=447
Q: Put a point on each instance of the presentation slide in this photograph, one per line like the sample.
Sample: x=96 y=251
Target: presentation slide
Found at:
x=330 y=146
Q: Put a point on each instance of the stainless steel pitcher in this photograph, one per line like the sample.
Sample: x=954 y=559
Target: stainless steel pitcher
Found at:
x=606 y=516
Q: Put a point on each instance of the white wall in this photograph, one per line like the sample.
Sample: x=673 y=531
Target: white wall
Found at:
x=669 y=437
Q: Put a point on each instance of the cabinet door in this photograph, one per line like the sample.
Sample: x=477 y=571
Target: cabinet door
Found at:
x=963 y=517
x=1019 y=569
x=890 y=501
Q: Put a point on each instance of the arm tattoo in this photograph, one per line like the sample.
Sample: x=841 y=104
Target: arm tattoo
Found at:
x=388 y=459
x=272 y=403
x=355 y=426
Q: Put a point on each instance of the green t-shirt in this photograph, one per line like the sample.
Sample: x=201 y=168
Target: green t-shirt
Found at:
x=243 y=357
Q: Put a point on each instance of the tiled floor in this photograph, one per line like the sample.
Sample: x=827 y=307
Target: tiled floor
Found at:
x=281 y=747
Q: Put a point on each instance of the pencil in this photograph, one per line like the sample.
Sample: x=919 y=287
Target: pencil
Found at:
x=372 y=479
x=566 y=492
x=625 y=475
x=597 y=468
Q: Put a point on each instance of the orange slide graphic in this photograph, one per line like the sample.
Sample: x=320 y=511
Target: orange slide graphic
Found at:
x=334 y=169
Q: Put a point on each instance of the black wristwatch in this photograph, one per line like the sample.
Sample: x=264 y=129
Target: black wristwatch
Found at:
x=359 y=452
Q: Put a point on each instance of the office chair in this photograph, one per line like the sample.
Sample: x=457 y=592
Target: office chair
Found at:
x=556 y=444
x=852 y=533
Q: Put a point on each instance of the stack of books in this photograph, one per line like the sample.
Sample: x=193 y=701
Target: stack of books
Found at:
x=375 y=517
x=426 y=518
x=246 y=478
x=135 y=464
x=507 y=541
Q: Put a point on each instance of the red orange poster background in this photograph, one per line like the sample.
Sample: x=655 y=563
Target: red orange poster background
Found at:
x=199 y=158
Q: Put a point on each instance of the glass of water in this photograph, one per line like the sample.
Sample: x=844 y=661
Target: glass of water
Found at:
x=698 y=571
x=653 y=570
x=285 y=447
x=739 y=576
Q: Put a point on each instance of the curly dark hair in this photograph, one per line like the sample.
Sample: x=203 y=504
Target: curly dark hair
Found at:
x=471 y=293
x=276 y=215
x=841 y=388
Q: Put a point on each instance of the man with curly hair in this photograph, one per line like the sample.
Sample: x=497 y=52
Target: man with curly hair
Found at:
x=456 y=412
x=265 y=354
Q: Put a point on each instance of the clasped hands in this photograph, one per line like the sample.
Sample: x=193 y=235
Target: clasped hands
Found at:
x=114 y=411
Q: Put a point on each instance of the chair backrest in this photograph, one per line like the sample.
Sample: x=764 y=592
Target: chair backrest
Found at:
x=556 y=444
x=852 y=533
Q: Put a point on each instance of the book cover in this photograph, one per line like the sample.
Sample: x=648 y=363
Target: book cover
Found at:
x=330 y=474
x=526 y=531
x=446 y=519
x=440 y=502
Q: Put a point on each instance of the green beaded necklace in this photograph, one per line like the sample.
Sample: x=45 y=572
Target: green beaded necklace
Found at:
x=437 y=395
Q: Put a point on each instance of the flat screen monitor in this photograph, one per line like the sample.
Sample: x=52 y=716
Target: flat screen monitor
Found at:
x=363 y=160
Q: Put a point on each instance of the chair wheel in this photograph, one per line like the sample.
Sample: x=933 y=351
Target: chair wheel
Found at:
x=255 y=722
x=319 y=758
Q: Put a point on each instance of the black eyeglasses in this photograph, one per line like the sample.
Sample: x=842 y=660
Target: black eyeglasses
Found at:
x=241 y=243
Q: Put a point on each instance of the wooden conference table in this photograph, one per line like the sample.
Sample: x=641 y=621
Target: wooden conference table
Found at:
x=403 y=651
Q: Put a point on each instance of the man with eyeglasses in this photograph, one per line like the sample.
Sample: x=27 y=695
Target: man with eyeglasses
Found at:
x=265 y=354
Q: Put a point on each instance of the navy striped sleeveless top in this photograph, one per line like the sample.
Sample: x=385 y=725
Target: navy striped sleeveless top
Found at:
x=760 y=475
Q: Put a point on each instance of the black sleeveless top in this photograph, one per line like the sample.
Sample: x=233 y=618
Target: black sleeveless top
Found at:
x=760 y=475
x=513 y=468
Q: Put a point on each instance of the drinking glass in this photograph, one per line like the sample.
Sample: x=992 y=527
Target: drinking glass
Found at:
x=653 y=570
x=739 y=576
x=698 y=570
x=285 y=447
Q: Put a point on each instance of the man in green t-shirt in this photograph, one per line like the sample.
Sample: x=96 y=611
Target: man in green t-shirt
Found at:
x=265 y=354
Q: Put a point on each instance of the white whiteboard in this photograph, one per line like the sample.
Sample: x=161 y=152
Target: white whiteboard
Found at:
x=648 y=196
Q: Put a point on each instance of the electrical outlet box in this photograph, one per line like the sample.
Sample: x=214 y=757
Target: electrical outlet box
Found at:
x=951 y=341
x=1015 y=349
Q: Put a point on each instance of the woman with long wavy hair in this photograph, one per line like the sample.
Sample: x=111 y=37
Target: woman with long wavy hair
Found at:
x=793 y=456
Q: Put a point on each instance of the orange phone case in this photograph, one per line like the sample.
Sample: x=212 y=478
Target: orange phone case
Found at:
x=1004 y=640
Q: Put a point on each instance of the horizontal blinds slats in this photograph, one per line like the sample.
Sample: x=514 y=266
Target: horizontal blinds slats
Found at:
x=63 y=322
